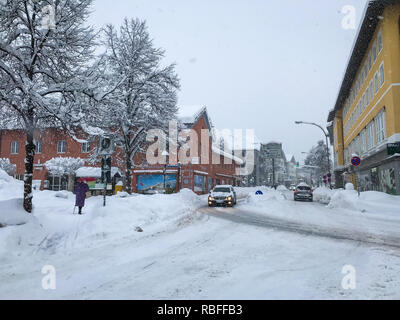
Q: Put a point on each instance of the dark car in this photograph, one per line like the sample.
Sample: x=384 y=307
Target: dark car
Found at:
x=303 y=192
x=222 y=196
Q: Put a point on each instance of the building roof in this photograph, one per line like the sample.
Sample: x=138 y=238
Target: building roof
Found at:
x=227 y=155
x=189 y=121
x=372 y=15
x=95 y=172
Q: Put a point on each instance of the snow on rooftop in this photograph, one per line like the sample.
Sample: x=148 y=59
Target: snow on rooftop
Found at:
x=95 y=172
x=227 y=155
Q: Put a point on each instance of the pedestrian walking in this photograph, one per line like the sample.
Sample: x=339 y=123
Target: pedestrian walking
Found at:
x=80 y=193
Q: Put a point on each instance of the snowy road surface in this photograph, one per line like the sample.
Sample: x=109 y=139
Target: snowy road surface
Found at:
x=244 y=216
x=265 y=248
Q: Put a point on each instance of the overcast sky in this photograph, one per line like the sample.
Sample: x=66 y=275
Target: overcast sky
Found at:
x=256 y=64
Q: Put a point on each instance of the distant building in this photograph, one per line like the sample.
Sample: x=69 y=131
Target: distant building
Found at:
x=291 y=169
x=275 y=168
x=254 y=178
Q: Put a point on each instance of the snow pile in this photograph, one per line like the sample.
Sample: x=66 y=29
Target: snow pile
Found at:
x=344 y=199
x=55 y=226
x=349 y=186
x=122 y=194
x=281 y=188
x=371 y=202
x=62 y=194
x=266 y=198
x=12 y=213
x=323 y=195
x=10 y=188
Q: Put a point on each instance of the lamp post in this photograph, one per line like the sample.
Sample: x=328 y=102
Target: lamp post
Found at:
x=326 y=134
x=165 y=154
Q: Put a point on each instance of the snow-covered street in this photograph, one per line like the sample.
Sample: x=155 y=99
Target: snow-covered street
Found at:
x=267 y=247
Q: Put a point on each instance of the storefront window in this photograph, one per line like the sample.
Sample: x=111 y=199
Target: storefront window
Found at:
x=199 y=183
x=154 y=183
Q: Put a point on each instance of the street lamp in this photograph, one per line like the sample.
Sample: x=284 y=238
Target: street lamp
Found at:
x=326 y=134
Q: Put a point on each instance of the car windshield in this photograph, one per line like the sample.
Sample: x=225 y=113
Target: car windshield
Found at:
x=304 y=188
x=222 y=190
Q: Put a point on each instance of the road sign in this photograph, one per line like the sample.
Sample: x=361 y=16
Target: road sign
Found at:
x=106 y=146
x=356 y=161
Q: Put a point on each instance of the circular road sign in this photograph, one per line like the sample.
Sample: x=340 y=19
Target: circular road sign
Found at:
x=356 y=161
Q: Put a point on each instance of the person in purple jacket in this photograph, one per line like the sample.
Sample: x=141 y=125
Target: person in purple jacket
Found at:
x=80 y=193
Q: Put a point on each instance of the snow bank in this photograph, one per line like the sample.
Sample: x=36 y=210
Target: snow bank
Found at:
x=370 y=202
x=10 y=188
x=12 y=213
x=344 y=199
x=268 y=197
x=323 y=195
x=281 y=188
x=56 y=227
x=349 y=186
x=63 y=194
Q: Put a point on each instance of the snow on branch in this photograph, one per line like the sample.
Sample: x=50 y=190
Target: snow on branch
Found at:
x=64 y=166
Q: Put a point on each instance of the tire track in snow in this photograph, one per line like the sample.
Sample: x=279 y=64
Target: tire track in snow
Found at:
x=263 y=221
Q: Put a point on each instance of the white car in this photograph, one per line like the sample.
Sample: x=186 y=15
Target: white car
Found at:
x=222 y=196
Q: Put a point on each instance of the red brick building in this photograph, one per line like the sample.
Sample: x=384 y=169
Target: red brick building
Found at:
x=54 y=143
x=198 y=175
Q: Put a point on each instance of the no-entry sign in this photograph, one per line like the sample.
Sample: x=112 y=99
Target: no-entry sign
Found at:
x=356 y=161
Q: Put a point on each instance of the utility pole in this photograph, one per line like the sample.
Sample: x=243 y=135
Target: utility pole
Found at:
x=273 y=172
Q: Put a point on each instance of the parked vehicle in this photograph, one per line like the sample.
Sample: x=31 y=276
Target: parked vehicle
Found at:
x=222 y=196
x=303 y=192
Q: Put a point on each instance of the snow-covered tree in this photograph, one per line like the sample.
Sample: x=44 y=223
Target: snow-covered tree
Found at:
x=142 y=94
x=317 y=157
x=45 y=50
x=64 y=166
x=7 y=166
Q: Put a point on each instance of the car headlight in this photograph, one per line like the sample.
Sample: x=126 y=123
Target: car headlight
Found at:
x=210 y=198
x=229 y=198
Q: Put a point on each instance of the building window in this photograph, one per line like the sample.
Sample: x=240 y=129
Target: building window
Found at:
x=376 y=79
x=362 y=141
x=14 y=147
x=374 y=54
x=382 y=74
x=380 y=127
x=367 y=97
x=380 y=42
x=61 y=146
x=85 y=147
x=364 y=104
x=370 y=61
x=38 y=147
x=371 y=91
x=356 y=146
x=370 y=135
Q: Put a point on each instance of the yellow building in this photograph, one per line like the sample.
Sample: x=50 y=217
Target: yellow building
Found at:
x=366 y=118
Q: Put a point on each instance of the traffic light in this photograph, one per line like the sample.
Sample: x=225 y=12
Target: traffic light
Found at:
x=106 y=170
